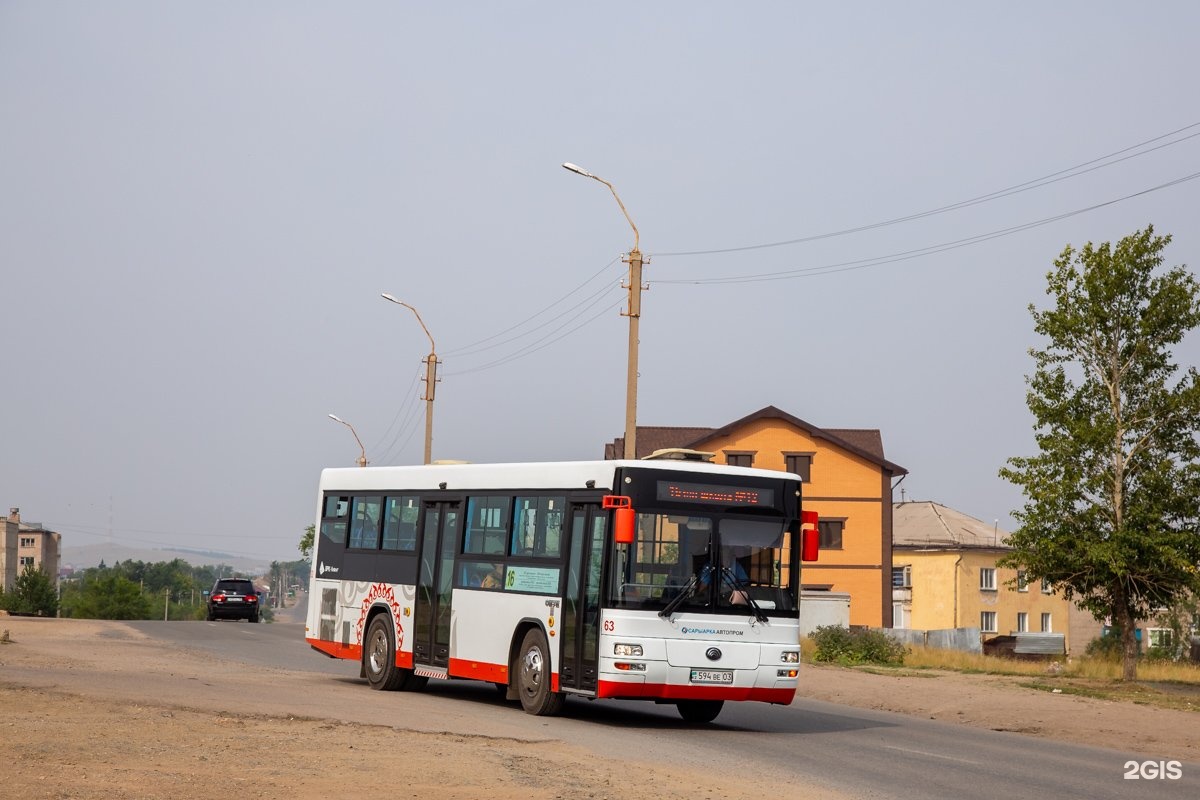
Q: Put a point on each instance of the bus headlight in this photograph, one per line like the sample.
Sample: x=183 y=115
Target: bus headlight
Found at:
x=790 y=656
x=788 y=673
x=627 y=650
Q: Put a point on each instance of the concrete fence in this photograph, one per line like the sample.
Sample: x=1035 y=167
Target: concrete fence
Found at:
x=964 y=639
x=823 y=608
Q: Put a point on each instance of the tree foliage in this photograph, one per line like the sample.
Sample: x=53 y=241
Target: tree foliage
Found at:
x=1113 y=495
x=108 y=596
x=306 y=542
x=33 y=593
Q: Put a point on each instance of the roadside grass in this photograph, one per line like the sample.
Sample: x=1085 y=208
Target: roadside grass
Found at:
x=1163 y=684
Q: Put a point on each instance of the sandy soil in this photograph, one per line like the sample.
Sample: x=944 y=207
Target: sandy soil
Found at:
x=70 y=729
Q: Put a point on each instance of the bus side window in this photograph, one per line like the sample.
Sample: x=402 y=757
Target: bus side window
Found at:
x=487 y=525
x=537 y=526
x=364 y=522
x=334 y=519
x=400 y=523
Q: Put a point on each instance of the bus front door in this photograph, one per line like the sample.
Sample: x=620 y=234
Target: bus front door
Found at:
x=439 y=539
x=581 y=605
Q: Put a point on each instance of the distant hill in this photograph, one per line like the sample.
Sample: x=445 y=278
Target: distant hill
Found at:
x=91 y=555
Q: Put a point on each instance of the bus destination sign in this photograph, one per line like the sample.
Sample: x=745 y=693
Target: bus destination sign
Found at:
x=715 y=494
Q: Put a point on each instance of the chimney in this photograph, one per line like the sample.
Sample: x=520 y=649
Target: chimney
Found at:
x=14 y=514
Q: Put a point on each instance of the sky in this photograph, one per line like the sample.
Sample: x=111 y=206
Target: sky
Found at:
x=201 y=204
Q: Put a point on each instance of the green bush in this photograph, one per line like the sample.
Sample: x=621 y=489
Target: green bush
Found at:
x=1106 y=648
x=847 y=647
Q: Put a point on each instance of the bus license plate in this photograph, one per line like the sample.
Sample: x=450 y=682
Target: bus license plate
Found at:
x=712 y=676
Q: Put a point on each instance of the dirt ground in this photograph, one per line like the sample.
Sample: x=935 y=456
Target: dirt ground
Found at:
x=70 y=728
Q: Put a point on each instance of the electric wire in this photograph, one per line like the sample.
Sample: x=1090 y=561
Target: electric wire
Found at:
x=1036 y=183
x=399 y=410
x=472 y=345
x=408 y=424
x=530 y=349
x=906 y=255
x=585 y=302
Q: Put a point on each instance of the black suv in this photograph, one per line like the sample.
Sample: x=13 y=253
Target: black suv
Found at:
x=233 y=598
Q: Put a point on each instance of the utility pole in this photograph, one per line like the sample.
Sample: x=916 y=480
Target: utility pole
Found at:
x=431 y=363
x=631 y=376
x=635 y=261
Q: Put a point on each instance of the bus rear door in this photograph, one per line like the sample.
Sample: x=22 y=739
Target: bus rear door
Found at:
x=439 y=539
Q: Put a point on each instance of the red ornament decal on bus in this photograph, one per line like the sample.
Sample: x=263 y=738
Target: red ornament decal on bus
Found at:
x=381 y=590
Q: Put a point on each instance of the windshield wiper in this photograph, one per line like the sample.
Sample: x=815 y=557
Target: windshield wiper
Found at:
x=678 y=599
x=744 y=588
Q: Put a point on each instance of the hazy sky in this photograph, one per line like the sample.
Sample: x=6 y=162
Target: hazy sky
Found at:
x=200 y=204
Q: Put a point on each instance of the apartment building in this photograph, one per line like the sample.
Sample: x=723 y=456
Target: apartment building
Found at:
x=23 y=543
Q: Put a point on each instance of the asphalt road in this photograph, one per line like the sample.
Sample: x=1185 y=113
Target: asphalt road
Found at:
x=859 y=752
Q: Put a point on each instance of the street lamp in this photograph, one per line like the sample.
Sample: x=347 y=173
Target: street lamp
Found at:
x=635 y=312
x=362 y=459
x=431 y=363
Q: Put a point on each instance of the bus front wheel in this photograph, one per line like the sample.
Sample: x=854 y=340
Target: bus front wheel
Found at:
x=533 y=677
x=699 y=710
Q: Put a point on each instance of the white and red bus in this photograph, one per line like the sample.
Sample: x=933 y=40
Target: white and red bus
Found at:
x=671 y=581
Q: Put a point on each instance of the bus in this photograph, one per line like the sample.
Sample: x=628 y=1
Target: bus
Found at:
x=671 y=581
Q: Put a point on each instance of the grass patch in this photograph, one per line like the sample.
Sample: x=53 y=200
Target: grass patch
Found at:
x=1117 y=691
x=1161 y=684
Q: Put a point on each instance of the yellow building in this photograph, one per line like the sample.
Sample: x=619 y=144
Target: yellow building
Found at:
x=847 y=481
x=944 y=575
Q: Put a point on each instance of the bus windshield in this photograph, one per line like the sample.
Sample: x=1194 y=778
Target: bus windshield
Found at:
x=711 y=563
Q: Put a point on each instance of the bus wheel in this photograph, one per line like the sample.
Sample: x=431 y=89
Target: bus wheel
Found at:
x=699 y=710
x=379 y=657
x=533 y=677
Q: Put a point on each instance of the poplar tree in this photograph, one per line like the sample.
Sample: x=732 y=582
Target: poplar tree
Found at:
x=1112 y=497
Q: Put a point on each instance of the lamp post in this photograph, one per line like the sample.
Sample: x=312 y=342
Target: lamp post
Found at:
x=362 y=458
x=431 y=363
x=634 y=259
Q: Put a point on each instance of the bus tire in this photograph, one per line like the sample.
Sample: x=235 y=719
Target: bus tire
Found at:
x=533 y=677
x=699 y=710
x=379 y=657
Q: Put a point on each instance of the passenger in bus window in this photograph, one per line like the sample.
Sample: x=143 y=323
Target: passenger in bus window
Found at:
x=494 y=579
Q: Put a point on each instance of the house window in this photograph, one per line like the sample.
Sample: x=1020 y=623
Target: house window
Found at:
x=987 y=621
x=898 y=616
x=830 y=533
x=28 y=541
x=1046 y=588
x=1022 y=581
x=902 y=577
x=1047 y=626
x=1159 y=637
x=739 y=458
x=1022 y=622
x=26 y=561
x=799 y=463
x=987 y=579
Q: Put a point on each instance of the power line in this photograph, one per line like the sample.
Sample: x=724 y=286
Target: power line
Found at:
x=408 y=393
x=907 y=255
x=530 y=349
x=409 y=409
x=587 y=301
x=1045 y=180
x=471 y=346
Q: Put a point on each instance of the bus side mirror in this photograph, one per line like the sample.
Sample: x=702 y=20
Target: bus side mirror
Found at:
x=810 y=536
x=624 y=525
